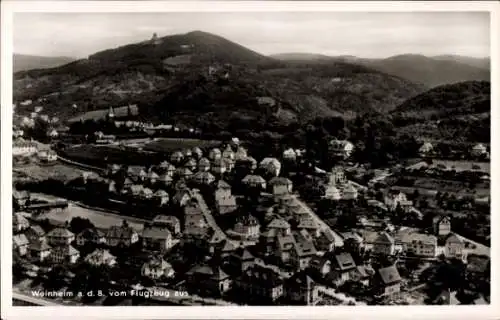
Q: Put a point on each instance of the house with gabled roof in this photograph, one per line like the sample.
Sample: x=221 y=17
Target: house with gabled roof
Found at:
x=60 y=236
x=197 y=152
x=280 y=185
x=447 y=297
x=241 y=154
x=166 y=179
x=215 y=154
x=90 y=235
x=182 y=197
x=152 y=177
x=271 y=166
x=260 y=284
x=35 y=233
x=423 y=245
x=222 y=190
x=100 y=257
x=19 y=222
x=246 y=227
x=191 y=164
x=254 y=181
x=454 y=247
x=426 y=149
x=157 y=238
x=203 y=165
x=387 y=281
x=157 y=268
x=183 y=173
x=289 y=154
x=340 y=148
x=176 y=157
x=20 y=243
x=161 y=196
x=281 y=226
x=39 y=250
x=383 y=244
x=442 y=225
x=64 y=254
x=228 y=153
x=303 y=251
x=300 y=289
x=241 y=259
x=342 y=266
x=171 y=222
x=349 y=192
x=226 y=205
x=208 y=280
x=123 y=235
x=306 y=222
x=203 y=177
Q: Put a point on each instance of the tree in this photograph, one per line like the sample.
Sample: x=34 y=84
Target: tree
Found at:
x=79 y=224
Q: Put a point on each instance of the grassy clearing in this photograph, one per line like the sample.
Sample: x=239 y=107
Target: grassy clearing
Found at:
x=173 y=144
x=58 y=172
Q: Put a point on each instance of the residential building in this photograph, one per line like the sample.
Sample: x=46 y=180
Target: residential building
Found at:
x=39 y=250
x=64 y=254
x=300 y=290
x=215 y=154
x=194 y=222
x=100 y=257
x=282 y=227
x=341 y=269
x=228 y=153
x=166 y=179
x=20 y=147
x=197 y=152
x=383 y=244
x=340 y=148
x=442 y=225
x=332 y=193
x=203 y=165
x=90 y=235
x=19 y=223
x=423 y=245
x=20 y=243
x=226 y=205
x=454 y=247
x=325 y=242
x=161 y=197
x=47 y=155
x=247 y=227
x=271 y=166
x=171 y=222
x=479 y=150
x=157 y=238
x=363 y=274
x=208 y=280
x=241 y=154
x=280 y=186
x=223 y=190
x=152 y=177
x=260 y=285
x=397 y=198
x=176 y=157
x=203 y=177
x=388 y=281
x=349 y=192
x=182 y=197
x=157 y=268
x=289 y=155
x=254 y=181
x=303 y=251
x=337 y=176
x=191 y=164
x=20 y=198
x=447 y=297
x=35 y=234
x=306 y=222
x=123 y=235
x=241 y=259
x=60 y=236
x=285 y=245
x=220 y=166
x=426 y=149
x=183 y=173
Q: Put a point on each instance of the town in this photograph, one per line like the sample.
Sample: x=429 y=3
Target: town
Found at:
x=220 y=223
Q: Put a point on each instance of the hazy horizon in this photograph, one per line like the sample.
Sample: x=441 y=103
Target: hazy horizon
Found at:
x=360 y=34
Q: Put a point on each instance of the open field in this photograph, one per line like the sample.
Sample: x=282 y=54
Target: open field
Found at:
x=102 y=155
x=173 y=144
x=57 y=171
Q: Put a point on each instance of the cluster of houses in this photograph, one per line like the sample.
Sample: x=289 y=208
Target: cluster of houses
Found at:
x=277 y=251
x=22 y=148
x=478 y=150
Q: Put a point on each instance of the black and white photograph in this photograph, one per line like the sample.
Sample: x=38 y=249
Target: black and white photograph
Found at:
x=248 y=158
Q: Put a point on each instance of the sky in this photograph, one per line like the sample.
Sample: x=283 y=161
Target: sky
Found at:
x=362 y=34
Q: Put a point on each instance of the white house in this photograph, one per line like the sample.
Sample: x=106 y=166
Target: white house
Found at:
x=426 y=149
x=271 y=165
x=341 y=148
x=479 y=150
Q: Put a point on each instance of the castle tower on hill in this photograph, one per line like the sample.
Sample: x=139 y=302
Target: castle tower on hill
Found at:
x=155 y=40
